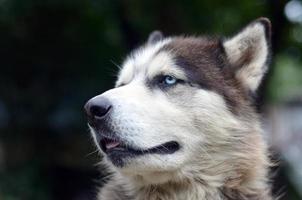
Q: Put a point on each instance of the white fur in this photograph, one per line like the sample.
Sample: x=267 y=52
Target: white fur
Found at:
x=139 y=61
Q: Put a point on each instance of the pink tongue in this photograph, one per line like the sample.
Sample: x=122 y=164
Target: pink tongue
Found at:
x=112 y=144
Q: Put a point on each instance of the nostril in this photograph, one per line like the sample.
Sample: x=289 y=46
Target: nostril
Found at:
x=99 y=111
x=97 y=108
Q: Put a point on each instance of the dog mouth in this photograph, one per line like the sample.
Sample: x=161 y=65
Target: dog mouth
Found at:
x=117 y=150
x=108 y=145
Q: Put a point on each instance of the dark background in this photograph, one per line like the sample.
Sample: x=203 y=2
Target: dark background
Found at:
x=56 y=54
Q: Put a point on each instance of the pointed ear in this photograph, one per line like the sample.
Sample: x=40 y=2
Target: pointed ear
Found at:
x=155 y=36
x=249 y=52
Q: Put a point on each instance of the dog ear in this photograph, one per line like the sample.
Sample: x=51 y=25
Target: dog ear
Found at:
x=155 y=36
x=249 y=52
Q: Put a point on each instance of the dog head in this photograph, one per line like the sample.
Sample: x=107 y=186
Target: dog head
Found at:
x=181 y=102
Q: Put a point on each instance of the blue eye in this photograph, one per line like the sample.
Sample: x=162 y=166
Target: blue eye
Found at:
x=169 y=80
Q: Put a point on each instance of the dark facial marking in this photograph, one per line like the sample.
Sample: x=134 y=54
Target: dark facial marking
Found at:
x=205 y=64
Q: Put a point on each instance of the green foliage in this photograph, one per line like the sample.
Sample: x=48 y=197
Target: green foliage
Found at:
x=287 y=79
x=25 y=183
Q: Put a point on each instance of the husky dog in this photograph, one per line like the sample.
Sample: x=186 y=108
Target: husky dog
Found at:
x=180 y=122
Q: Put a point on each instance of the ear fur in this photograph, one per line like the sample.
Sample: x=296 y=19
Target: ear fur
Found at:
x=155 y=36
x=249 y=52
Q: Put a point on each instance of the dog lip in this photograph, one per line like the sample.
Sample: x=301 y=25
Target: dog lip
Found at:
x=166 y=148
x=111 y=145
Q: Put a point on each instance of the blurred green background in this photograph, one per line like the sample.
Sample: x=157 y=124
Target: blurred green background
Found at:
x=56 y=54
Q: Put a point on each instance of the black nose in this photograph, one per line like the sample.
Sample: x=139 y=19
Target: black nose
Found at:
x=97 y=108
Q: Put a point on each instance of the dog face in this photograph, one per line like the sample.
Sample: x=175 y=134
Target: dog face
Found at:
x=181 y=102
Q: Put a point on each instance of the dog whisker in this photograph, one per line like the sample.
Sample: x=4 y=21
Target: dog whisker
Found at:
x=91 y=153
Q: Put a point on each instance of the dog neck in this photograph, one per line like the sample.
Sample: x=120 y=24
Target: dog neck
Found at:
x=177 y=191
x=197 y=188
